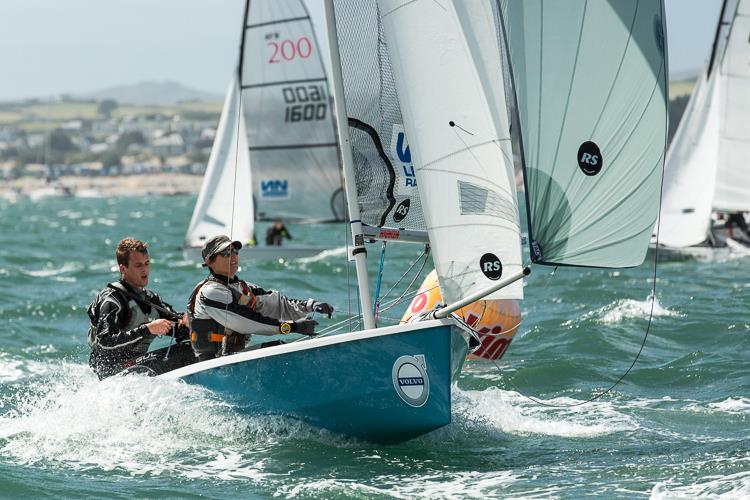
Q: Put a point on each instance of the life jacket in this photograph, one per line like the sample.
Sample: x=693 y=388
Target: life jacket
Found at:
x=135 y=315
x=208 y=337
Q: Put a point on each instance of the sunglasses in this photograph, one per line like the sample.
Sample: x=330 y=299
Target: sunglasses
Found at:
x=227 y=252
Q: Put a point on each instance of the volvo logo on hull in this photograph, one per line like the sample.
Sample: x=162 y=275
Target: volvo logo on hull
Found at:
x=410 y=379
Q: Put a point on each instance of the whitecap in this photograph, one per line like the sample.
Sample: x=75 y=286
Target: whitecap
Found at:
x=734 y=405
x=325 y=254
x=52 y=271
x=509 y=412
x=727 y=486
x=625 y=309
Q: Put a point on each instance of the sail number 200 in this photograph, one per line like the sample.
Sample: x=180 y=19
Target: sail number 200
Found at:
x=304 y=103
x=288 y=50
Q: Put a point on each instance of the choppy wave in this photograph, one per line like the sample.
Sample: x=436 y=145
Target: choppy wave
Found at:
x=728 y=486
x=324 y=255
x=508 y=412
x=50 y=270
x=627 y=309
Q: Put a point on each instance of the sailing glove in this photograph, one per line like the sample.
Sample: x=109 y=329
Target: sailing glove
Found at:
x=305 y=326
x=322 y=308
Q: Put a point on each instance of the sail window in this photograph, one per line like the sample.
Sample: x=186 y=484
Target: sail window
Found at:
x=477 y=200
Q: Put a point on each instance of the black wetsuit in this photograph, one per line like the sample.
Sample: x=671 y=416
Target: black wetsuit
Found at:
x=120 y=339
x=275 y=235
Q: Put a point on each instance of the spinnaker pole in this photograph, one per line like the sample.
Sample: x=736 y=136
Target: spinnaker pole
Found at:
x=342 y=125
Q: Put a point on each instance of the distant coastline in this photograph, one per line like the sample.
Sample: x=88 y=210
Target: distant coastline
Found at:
x=158 y=184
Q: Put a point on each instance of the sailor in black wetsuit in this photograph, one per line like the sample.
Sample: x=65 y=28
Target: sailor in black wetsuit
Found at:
x=276 y=234
x=224 y=311
x=126 y=318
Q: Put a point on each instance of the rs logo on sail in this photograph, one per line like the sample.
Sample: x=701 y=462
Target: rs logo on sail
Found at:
x=274 y=189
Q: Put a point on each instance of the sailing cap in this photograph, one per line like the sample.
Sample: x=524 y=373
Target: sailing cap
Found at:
x=218 y=244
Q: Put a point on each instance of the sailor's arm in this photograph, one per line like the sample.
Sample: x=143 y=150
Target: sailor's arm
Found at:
x=272 y=303
x=220 y=306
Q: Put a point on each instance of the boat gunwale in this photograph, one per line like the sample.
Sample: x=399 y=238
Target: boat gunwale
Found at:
x=303 y=345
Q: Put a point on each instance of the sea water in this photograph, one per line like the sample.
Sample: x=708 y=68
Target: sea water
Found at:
x=676 y=426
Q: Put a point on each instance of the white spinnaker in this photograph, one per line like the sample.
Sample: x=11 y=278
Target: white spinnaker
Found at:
x=227 y=179
x=465 y=174
x=690 y=170
x=733 y=173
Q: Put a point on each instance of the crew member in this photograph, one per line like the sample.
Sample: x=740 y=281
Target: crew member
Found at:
x=737 y=219
x=276 y=234
x=125 y=318
x=224 y=310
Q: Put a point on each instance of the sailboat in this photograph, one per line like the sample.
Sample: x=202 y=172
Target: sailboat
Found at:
x=438 y=84
x=275 y=156
x=707 y=168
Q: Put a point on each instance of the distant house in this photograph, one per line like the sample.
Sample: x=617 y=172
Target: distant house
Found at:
x=168 y=145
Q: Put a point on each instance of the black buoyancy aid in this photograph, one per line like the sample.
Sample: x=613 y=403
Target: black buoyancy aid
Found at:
x=134 y=314
x=206 y=334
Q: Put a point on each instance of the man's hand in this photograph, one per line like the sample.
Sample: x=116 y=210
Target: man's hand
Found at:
x=322 y=308
x=159 y=326
x=305 y=326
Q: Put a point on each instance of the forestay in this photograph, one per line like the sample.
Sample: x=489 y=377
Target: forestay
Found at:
x=733 y=173
x=447 y=68
x=386 y=179
x=293 y=150
x=591 y=87
x=225 y=202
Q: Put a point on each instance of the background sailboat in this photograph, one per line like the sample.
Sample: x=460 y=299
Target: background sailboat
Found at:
x=707 y=168
x=276 y=136
x=447 y=75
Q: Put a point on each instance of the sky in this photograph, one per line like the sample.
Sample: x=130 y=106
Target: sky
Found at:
x=50 y=47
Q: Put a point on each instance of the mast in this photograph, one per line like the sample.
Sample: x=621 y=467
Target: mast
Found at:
x=716 y=39
x=339 y=105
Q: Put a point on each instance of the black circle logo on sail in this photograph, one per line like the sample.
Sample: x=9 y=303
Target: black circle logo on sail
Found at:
x=590 y=158
x=401 y=210
x=491 y=266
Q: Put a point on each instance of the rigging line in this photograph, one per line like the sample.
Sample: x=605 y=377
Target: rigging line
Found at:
x=424 y=252
x=376 y=305
x=645 y=335
x=398 y=300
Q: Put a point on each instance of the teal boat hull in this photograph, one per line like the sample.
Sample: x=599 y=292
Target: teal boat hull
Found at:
x=387 y=385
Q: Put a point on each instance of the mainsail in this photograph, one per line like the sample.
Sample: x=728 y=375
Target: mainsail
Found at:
x=291 y=137
x=733 y=172
x=690 y=170
x=460 y=139
x=707 y=164
x=225 y=202
x=591 y=87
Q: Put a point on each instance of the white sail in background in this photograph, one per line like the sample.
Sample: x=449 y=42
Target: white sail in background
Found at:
x=447 y=70
x=225 y=202
x=291 y=137
x=733 y=173
x=690 y=170
x=591 y=88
